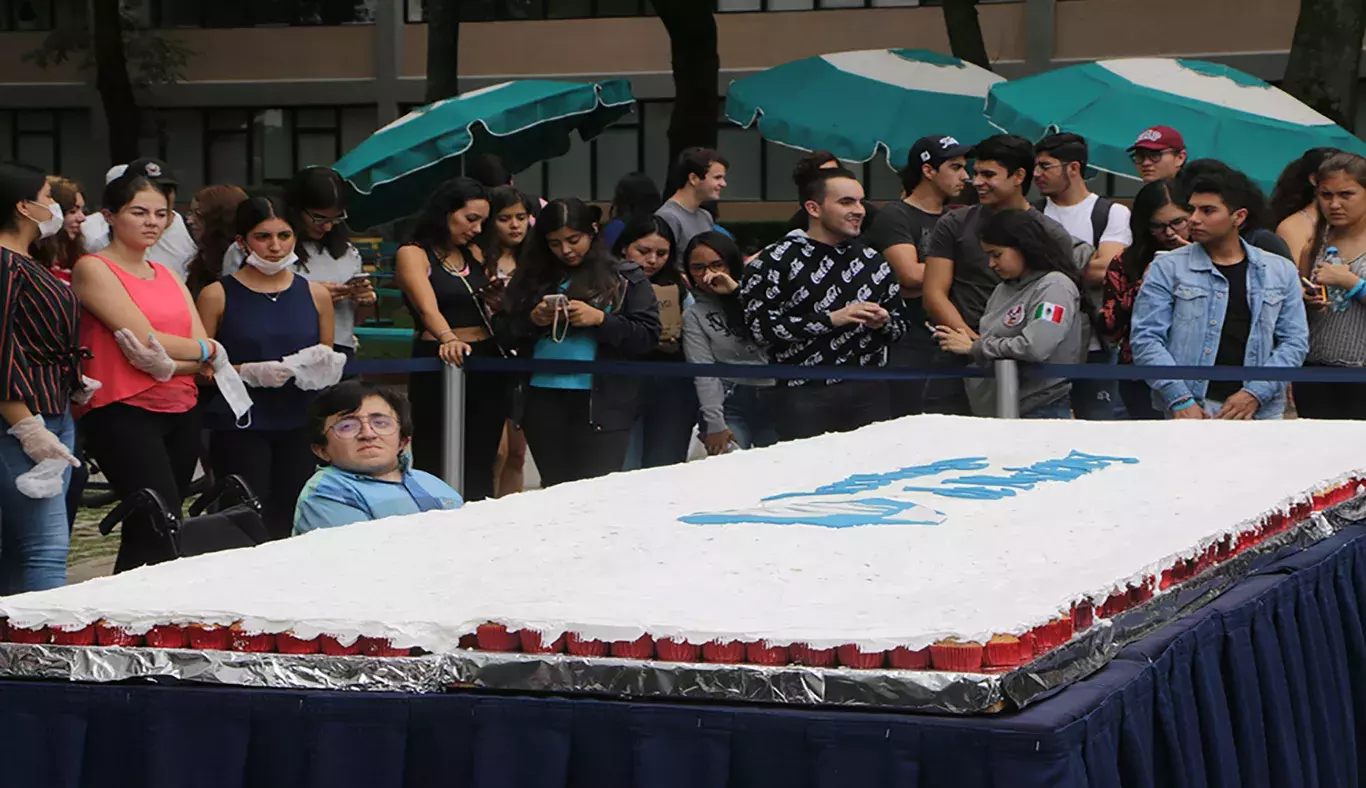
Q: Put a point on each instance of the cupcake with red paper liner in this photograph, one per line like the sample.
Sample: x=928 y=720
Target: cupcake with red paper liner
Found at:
x=902 y=658
x=288 y=643
x=1300 y=511
x=1083 y=615
x=1005 y=652
x=209 y=637
x=469 y=641
x=533 y=642
x=761 y=652
x=168 y=636
x=78 y=636
x=1031 y=644
x=381 y=647
x=952 y=654
x=331 y=646
x=1138 y=594
x=804 y=654
x=1046 y=637
x=37 y=635
x=581 y=647
x=1115 y=604
x=730 y=652
x=851 y=656
x=642 y=647
x=107 y=634
x=671 y=650
x=496 y=637
x=250 y=642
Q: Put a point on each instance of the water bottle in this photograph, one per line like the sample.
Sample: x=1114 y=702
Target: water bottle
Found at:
x=1336 y=295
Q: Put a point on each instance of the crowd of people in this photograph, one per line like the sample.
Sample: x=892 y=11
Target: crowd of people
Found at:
x=154 y=343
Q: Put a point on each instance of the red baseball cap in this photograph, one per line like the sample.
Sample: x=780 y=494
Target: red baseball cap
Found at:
x=1159 y=138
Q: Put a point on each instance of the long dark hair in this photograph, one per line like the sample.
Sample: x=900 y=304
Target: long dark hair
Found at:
x=1293 y=190
x=254 y=210
x=217 y=215
x=539 y=272
x=636 y=195
x=1152 y=198
x=1349 y=164
x=1022 y=231
x=61 y=249
x=500 y=199
x=729 y=252
x=432 y=230
x=317 y=189
x=643 y=227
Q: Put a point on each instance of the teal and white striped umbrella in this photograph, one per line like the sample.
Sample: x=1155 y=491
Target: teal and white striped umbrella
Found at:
x=852 y=103
x=1221 y=112
x=524 y=122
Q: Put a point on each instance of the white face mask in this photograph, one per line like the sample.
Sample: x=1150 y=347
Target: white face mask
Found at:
x=232 y=388
x=268 y=268
x=51 y=225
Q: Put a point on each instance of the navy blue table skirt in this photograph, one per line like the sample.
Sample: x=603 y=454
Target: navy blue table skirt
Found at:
x=1261 y=688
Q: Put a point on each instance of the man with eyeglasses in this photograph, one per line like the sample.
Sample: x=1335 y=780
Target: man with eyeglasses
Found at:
x=1159 y=153
x=361 y=432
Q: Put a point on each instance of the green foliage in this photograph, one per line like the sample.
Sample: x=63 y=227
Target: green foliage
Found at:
x=152 y=59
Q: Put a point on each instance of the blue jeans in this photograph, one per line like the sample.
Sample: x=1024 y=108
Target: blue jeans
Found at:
x=1062 y=409
x=749 y=418
x=33 y=532
x=662 y=432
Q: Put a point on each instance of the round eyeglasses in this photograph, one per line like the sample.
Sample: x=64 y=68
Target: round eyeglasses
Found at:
x=350 y=427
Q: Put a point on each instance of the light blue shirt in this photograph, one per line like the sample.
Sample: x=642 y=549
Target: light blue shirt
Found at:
x=576 y=344
x=1179 y=316
x=334 y=497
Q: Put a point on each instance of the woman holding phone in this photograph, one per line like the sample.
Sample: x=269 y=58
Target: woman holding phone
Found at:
x=446 y=285
x=316 y=203
x=510 y=214
x=570 y=300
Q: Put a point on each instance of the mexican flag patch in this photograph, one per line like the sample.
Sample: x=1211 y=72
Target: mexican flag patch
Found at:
x=1053 y=313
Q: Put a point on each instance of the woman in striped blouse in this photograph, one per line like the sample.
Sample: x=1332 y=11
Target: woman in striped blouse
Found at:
x=40 y=373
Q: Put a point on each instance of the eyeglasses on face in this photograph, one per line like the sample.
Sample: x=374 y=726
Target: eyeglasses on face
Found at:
x=1175 y=225
x=1149 y=156
x=350 y=427
x=716 y=266
x=319 y=219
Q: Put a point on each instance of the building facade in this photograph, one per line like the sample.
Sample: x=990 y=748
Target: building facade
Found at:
x=275 y=85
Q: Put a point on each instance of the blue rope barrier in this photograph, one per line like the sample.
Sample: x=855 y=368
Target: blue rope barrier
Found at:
x=784 y=372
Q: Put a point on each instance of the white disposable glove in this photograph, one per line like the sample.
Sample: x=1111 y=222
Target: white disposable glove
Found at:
x=39 y=443
x=266 y=374
x=317 y=367
x=46 y=480
x=87 y=390
x=151 y=358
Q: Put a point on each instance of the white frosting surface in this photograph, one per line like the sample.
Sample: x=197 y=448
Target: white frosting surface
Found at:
x=609 y=558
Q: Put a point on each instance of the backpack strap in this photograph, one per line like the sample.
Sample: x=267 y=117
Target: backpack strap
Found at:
x=1100 y=218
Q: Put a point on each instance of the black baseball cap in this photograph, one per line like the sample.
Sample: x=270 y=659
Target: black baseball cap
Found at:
x=153 y=170
x=936 y=149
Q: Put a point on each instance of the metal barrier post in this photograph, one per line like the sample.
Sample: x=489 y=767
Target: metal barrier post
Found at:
x=1007 y=388
x=453 y=441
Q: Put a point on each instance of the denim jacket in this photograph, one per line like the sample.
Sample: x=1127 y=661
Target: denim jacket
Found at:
x=1179 y=314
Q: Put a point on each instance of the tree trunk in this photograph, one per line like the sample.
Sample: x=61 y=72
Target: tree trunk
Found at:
x=443 y=49
x=697 y=68
x=112 y=80
x=965 y=32
x=1325 y=56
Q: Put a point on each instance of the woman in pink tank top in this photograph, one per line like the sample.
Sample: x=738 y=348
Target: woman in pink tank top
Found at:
x=142 y=427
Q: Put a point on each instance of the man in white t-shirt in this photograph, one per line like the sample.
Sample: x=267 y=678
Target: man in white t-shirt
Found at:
x=1060 y=175
x=176 y=247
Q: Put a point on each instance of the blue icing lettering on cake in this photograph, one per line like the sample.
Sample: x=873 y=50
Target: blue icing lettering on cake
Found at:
x=835 y=505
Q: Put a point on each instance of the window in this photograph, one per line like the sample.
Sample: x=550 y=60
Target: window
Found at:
x=31 y=137
x=27 y=14
x=259 y=13
x=415 y=11
x=254 y=146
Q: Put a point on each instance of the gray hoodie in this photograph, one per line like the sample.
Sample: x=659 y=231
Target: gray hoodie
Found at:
x=708 y=339
x=1035 y=319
